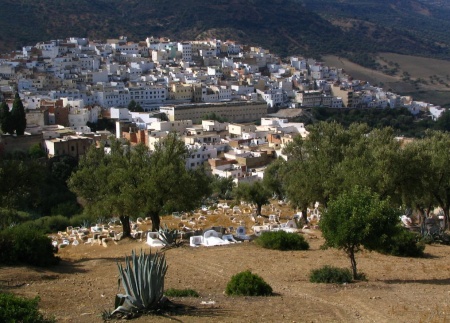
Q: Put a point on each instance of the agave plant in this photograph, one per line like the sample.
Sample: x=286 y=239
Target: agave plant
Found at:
x=101 y=220
x=85 y=224
x=170 y=237
x=142 y=278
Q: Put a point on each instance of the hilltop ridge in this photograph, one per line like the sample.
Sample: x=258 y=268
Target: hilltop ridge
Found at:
x=287 y=27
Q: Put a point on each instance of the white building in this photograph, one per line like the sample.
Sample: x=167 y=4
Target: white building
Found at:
x=198 y=154
x=186 y=51
x=273 y=97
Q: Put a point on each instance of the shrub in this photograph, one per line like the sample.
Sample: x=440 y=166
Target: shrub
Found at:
x=172 y=292
x=247 y=284
x=82 y=220
x=405 y=244
x=52 y=224
x=17 y=309
x=330 y=274
x=12 y=217
x=281 y=240
x=27 y=245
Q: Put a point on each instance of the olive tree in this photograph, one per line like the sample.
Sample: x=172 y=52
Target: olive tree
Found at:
x=128 y=181
x=254 y=192
x=359 y=218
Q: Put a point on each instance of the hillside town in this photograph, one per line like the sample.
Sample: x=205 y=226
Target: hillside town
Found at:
x=218 y=95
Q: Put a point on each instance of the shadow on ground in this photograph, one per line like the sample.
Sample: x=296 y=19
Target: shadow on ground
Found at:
x=445 y=281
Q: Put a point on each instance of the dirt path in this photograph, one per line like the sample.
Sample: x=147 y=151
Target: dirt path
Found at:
x=397 y=290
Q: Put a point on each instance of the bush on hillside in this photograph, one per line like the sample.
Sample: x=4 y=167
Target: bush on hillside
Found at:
x=329 y=274
x=26 y=245
x=10 y=217
x=51 y=224
x=82 y=220
x=247 y=284
x=17 y=309
x=405 y=244
x=281 y=240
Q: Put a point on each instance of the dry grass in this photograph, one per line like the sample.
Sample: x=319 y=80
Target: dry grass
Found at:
x=417 y=67
x=397 y=290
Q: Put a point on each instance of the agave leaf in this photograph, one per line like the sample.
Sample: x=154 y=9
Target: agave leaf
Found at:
x=142 y=278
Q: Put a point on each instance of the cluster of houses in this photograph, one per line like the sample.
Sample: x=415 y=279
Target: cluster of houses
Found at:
x=66 y=85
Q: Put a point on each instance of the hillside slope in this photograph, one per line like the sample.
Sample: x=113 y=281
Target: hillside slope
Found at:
x=410 y=21
x=284 y=26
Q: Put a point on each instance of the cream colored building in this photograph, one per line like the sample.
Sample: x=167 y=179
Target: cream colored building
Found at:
x=179 y=91
x=232 y=111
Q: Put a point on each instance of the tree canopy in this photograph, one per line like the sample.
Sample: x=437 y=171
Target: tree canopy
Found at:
x=333 y=159
x=135 y=107
x=6 y=124
x=18 y=116
x=131 y=181
x=254 y=192
x=359 y=218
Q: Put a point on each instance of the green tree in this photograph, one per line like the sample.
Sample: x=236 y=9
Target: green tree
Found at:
x=135 y=107
x=375 y=161
x=273 y=178
x=170 y=186
x=435 y=150
x=214 y=116
x=18 y=116
x=36 y=151
x=6 y=123
x=358 y=218
x=21 y=182
x=108 y=182
x=443 y=123
x=255 y=193
x=129 y=181
x=222 y=186
x=314 y=172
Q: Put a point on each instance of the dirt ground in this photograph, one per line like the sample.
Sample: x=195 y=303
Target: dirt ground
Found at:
x=397 y=289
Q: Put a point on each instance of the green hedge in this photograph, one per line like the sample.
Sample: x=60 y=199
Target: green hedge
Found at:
x=405 y=244
x=26 y=245
x=17 y=309
x=51 y=224
x=330 y=274
x=247 y=284
x=281 y=240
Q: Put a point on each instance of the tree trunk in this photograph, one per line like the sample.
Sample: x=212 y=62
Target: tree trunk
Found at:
x=156 y=221
x=258 y=209
x=446 y=218
x=305 y=215
x=125 y=219
x=351 y=255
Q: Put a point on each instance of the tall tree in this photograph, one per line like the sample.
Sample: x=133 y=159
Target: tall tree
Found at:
x=435 y=149
x=170 y=186
x=359 y=218
x=106 y=182
x=18 y=116
x=129 y=181
x=6 y=122
x=313 y=172
x=21 y=182
x=222 y=187
x=273 y=178
x=255 y=193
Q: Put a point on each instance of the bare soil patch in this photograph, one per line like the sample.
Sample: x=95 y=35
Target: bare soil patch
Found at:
x=397 y=290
